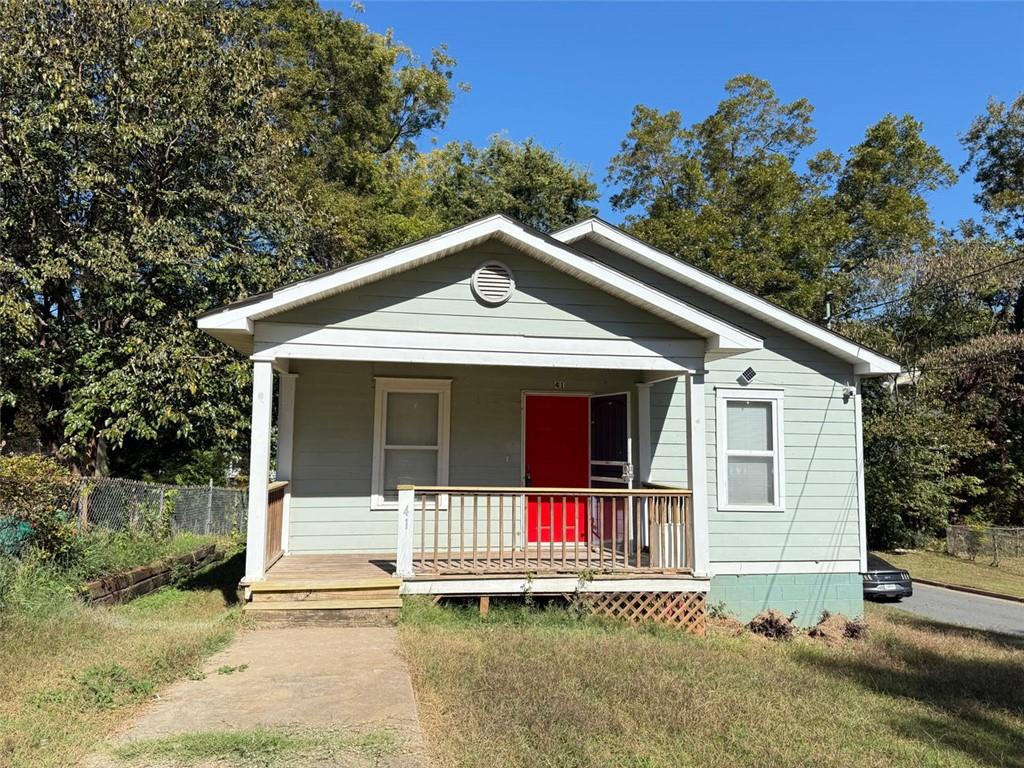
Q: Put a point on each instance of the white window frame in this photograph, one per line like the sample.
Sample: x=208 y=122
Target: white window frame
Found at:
x=384 y=386
x=774 y=396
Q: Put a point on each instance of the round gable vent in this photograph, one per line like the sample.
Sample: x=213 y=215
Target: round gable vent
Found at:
x=493 y=283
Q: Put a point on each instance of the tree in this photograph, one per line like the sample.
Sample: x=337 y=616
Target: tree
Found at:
x=350 y=105
x=995 y=146
x=880 y=193
x=524 y=180
x=724 y=193
x=138 y=187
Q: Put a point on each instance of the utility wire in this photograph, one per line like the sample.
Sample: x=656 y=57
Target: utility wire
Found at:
x=907 y=297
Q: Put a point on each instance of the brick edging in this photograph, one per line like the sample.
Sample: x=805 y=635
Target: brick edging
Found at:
x=971 y=590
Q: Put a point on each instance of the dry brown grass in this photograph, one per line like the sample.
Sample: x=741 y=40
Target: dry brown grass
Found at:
x=521 y=689
x=72 y=674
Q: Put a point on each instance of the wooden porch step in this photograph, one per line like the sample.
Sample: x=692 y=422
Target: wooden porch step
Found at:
x=323 y=585
x=323 y=595
x=324 y=605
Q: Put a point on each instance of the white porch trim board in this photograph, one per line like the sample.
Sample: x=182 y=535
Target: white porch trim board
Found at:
x=698 y=473
x=778 y=568
x=277 y=341
x=548 y=585
x=285 y=445
x=259 y=469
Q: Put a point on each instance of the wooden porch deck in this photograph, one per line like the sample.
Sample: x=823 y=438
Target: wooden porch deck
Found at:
x=330 y=568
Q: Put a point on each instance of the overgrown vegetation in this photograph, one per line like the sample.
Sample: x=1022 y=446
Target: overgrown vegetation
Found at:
x=45 y=557
x=72 y=672
x=541 y=688
x=264 y=747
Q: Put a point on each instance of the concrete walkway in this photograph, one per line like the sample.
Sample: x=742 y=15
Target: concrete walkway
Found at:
x=348 y=679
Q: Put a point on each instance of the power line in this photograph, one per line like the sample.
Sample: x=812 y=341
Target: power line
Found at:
x=907 y=297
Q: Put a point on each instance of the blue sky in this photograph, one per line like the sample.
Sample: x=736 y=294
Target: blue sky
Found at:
x=569 y=74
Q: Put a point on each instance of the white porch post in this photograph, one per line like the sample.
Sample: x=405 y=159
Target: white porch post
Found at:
x=406 y=499
x=697 y=453
x=285 y=430
x=259 y=469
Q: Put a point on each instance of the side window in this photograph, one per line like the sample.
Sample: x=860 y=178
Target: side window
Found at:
x=750 y=464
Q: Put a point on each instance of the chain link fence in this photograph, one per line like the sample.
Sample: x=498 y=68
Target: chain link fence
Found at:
x=992 y=543
x=119 y=505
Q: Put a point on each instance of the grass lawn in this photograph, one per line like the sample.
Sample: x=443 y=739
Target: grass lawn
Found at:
x=1006 y=578
x=539 y=688
x=71 y=673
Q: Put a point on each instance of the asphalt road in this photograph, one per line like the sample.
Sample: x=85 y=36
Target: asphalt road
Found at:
x=965 y=609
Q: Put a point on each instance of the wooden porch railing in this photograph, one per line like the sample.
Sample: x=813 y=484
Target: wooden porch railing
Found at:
x=488 y=530
x=275 y=522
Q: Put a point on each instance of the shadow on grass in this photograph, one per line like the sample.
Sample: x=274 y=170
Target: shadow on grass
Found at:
x=976 y=692
x=223 y=576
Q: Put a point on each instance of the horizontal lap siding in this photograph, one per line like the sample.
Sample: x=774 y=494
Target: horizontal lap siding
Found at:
x=820 y=521
x=669 y=458
x=330 y=503
x=437 y=298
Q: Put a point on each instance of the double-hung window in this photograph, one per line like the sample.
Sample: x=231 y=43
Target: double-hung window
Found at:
x=410 y=439
x=750 y=462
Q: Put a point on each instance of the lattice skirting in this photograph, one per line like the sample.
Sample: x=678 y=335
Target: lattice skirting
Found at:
x=682 y=610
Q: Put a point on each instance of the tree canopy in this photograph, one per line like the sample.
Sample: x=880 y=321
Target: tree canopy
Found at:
x=158 y=159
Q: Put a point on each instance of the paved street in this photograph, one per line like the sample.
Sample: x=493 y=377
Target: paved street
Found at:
x=965 y=609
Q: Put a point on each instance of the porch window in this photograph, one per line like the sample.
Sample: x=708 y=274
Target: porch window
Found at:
x=750 y=460
x=410 y=445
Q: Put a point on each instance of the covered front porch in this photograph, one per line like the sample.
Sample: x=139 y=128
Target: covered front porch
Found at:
x=359 y=456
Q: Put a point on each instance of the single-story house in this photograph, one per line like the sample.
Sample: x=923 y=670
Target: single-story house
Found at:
x=495 y=410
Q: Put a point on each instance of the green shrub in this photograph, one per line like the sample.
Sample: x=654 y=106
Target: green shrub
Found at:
x=37 y=496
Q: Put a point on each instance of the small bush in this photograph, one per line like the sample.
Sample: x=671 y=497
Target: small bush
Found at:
x=834 y=628
x=36 y=498
x=773 y=624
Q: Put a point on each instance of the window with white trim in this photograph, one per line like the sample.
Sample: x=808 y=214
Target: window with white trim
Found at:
x=410 y=437
x=750 y=461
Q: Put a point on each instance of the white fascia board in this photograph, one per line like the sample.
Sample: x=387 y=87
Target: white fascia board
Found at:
x=865 y=362
x=722 y=336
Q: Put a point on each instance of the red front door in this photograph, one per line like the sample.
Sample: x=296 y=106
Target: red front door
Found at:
x=557 y=456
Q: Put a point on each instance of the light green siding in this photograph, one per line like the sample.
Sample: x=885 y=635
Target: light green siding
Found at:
x=669 y=461
x=437 y=298
x=807 y=594
x=820 y=521
x=332 y=458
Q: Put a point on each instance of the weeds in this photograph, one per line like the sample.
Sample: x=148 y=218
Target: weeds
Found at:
x=527 y=688
x=265 y=747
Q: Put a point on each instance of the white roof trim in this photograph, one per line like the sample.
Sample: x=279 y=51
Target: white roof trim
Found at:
x=235 y=319
x=865 y=361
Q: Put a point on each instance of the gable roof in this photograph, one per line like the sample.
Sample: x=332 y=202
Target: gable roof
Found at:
x=235 y=323
x=865 y=361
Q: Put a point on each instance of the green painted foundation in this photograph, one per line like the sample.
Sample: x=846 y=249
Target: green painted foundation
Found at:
x=806 y=593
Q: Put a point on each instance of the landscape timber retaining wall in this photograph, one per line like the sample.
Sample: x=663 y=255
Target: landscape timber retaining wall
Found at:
x=122 y=587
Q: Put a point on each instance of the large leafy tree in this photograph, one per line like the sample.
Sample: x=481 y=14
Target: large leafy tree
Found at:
x=138 y=186
x=995 y=146
x=350 y=104
x=523 y=180
x=725 y=193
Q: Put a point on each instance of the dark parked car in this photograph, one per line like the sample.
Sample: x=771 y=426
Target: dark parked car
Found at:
x=888 y=583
